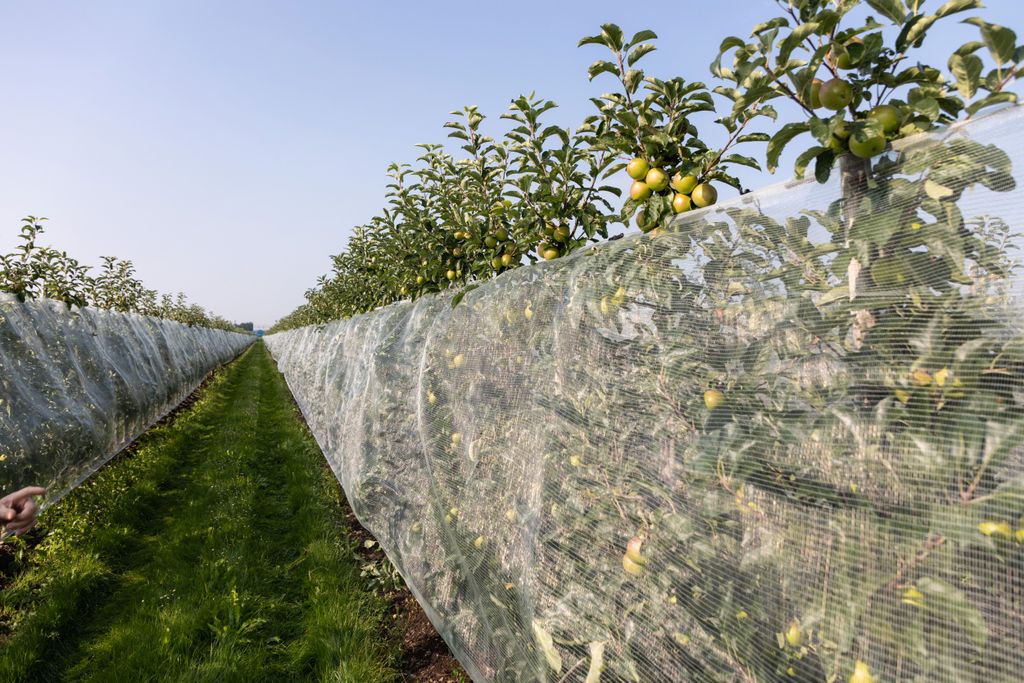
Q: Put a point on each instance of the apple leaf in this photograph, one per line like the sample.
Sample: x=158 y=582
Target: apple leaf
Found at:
x=457 y=299
x=638 y=52
x=928 y=106
x=612 y=35
x=954 y=6
x=967 y=69
x=590 y=40
x=754 y=137
x=641 y=36
x=893 y=10
x=969 y=47
x=547 y=646
x=599 y=67
x=790 y=42
x=777 y=22
x=1000 y=41
x=742 y=160
x=730 y=42
x=779 y=141
x=823 y=165
x=914 y=31
x=991 y=100
x=632 y=79
x=947 y=601
x=805 y=158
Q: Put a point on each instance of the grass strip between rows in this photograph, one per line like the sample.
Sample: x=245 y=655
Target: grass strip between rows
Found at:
x=216 y=552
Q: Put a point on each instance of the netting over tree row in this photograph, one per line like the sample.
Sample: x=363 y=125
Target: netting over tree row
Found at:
x=76 y=386
x=783 y=440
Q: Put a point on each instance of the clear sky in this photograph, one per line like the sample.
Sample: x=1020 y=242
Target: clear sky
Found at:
x=228 y=146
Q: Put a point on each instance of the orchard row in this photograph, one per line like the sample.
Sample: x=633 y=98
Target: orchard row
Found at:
x=541 y=191
x=35 y=271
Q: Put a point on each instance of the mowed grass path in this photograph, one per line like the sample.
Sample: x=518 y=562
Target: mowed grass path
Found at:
x=215 y=552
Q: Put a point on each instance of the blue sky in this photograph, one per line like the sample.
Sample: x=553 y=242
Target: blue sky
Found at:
x=228 y=147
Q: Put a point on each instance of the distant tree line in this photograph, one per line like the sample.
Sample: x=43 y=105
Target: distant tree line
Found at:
x=35 y=271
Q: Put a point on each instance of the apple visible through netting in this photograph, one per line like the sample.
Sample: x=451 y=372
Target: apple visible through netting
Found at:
x=781 y=440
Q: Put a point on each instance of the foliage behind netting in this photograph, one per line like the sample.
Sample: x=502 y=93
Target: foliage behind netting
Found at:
x=78 y=385
x=781 y=440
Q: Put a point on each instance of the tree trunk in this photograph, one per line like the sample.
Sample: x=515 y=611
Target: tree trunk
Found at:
x=853 y=183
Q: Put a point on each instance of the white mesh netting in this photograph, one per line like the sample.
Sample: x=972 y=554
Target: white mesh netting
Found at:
x=781 y=441
x=77 y=386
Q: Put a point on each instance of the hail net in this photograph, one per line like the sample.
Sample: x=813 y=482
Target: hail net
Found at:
x=782 y=440
x=78 y=385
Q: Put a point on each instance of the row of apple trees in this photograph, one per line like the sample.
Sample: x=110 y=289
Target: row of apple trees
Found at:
x=850 y=73
x=34 y=270
x=822 y=410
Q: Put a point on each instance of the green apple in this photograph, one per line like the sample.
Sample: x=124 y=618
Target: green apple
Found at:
x=835 y=94
x=637 y=168
x=887 y=115
x=683 y=184
x=704 y=195
x=656 y=179
x=681 y=203
x=639 y=191
x=867 y=147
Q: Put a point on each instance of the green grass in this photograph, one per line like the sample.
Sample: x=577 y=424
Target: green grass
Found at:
x=216 y=552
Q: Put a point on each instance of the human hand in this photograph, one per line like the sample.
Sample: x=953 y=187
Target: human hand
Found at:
x=18 y=510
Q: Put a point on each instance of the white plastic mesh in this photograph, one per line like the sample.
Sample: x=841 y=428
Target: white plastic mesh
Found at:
x=78 y=386
x=852 y=505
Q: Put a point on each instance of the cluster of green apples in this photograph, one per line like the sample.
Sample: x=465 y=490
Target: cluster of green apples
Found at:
x=503 y=248
x=837 y=94
x=687 y=190
x=557 y=238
